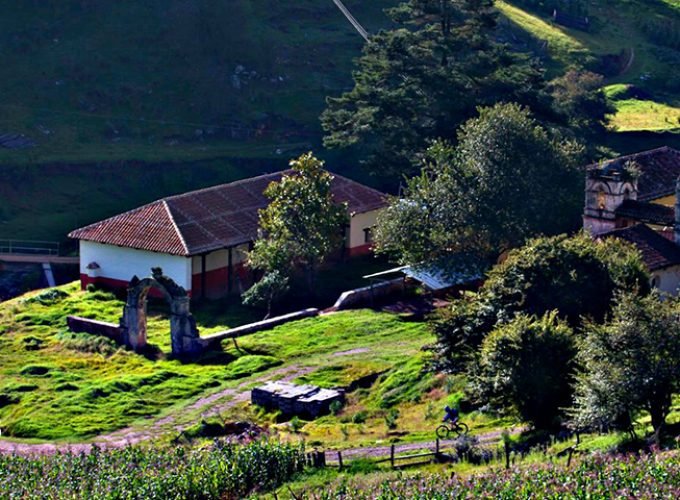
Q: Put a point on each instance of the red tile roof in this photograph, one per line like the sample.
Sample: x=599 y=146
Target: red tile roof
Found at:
x=657 y=251
x=651 y=213
x=659 y=171
x=209 y=219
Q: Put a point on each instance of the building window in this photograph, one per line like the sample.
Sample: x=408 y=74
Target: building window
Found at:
x=601 y=199
x=656 y=282
x=368 y=235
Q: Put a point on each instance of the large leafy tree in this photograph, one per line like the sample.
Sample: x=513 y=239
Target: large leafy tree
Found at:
x=631 y=363
x=302 y=224
x=574 y=276
x=507 y=179
x=424 y=78
x=526 y=366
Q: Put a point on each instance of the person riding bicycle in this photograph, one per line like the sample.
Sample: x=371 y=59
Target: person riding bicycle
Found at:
x=450 y=415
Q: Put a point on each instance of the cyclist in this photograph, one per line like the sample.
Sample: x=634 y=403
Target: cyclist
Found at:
x=450 y=415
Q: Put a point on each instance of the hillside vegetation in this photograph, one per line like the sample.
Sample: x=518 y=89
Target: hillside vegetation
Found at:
x=159 y=80
x=96 y=80
x=209 y=92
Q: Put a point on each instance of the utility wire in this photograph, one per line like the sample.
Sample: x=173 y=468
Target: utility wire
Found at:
x=352 y=19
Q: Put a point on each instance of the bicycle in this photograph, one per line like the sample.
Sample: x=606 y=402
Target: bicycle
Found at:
x=446 y=431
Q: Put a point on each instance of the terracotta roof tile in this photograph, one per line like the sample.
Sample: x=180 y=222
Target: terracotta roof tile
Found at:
x=657 y=251
x=149 y=228
x=651 y=213
x=209 y=219
x=659 y=171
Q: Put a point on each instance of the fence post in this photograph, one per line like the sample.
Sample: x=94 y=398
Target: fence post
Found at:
x=507 y=454
x=392 y=455
x=340 y=460
x=437 y=446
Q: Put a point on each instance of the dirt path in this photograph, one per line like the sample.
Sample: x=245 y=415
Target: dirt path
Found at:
x=210 y=405
x=631 y=60
x=215 y=404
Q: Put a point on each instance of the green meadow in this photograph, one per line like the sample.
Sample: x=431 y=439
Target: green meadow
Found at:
x=58 y=385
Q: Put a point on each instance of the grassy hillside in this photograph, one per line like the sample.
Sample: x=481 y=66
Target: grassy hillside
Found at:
x=629 y=41
x=59 y=385
x=131 y=101
x=95 y=80
x=158 y=80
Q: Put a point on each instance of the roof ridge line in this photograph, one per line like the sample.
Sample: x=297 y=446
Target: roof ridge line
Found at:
x=113 y=217
x=631 y=155
x=232 y=183
x=175 y=226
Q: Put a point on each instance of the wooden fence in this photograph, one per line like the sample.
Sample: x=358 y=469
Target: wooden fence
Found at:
x=437 y=455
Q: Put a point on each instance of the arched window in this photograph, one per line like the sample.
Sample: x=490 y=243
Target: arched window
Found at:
x=656 y=281
x=601 y=199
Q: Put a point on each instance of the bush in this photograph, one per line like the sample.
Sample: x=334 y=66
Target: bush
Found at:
x=527 y=366
x=35 y=370
x=359 y=417
x=296 y=424
x=8 y=399
x=391 y=419
x=335 y=407
x=575 y=276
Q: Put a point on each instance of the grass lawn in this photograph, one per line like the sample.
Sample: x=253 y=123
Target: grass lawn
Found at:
x=59 y=385
x=563 y=45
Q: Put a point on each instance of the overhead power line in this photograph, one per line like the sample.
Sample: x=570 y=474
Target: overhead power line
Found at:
x=352 y=19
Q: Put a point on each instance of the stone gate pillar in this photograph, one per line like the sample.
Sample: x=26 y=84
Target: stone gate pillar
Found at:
x=183 y=331
x=133 y=322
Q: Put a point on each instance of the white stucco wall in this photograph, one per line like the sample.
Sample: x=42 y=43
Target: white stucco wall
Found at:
x=667 y=280
x=122 y=264
x=358 y=223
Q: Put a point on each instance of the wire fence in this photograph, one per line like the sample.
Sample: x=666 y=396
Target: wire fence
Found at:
x=29 y=247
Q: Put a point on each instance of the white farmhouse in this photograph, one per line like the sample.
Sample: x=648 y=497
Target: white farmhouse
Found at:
x=199 y=238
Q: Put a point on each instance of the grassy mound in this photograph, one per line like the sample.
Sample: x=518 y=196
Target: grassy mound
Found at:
x=60 y=385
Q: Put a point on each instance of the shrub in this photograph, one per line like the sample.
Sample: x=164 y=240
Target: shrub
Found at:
x=296 y=424
x=391 y=419
x=335 y=407
x=8 y=399
x=47 y=297
x=526 y=366
x=35 y=370
x=359 y=417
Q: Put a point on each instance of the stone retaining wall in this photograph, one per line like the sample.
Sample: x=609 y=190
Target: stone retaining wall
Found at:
x=259 y=326
x=85 y=325
x=365 y=296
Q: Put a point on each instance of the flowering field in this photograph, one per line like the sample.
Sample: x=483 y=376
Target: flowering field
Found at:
x=631 y=476
x=221 y=471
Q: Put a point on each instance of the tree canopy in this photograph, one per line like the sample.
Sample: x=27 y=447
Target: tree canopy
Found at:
x=424 y=78
x=631 y=363
x=574 y=276
x=507 y=179
x=302 y=224
x=526 y=366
